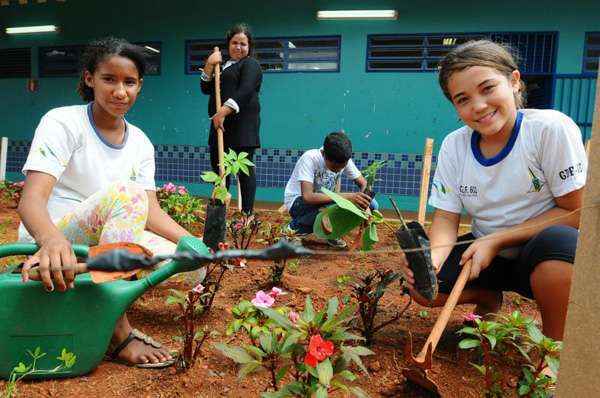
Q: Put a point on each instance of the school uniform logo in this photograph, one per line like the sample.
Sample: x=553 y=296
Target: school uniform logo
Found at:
x=441 y=188
x=536 y=183
x=469 y=191
x=570 y=171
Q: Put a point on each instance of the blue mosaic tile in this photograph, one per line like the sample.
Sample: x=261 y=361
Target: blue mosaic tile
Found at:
x=400 y=176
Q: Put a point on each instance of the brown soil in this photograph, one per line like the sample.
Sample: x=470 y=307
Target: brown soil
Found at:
x=216 y=376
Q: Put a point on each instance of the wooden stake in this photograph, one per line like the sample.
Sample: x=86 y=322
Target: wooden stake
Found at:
x=3 y=157
x=427 y=155
x=579 y=374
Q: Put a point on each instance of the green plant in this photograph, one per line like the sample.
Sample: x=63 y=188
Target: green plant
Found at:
x=423 y=314
x=313 y=347
x=192 y=304
x=368 y=292
x=351 y=216
x=514 y=340
x=182 y=207
x=270 y=234
x=233 y=163
x=343 y=280
x=67 y=360
x=10 y=192
x=243 y=229
x=370 y=174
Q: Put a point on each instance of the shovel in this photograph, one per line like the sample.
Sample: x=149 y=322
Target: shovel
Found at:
x=215 y=225
x=418 y=368
x=101 y=274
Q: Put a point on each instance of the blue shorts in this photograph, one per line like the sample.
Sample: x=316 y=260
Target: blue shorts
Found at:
x=557 y=242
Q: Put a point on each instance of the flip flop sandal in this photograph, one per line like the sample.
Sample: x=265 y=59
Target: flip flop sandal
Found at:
x=137 y=335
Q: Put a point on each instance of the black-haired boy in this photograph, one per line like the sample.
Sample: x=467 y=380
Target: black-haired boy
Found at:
x=319 y=168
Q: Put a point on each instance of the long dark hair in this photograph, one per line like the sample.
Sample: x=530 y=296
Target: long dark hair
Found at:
x=241 y=28
x=98 y=51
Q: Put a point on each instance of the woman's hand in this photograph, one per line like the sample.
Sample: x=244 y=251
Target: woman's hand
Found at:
x=215 y=57
x=56 y=261
x=482 y=252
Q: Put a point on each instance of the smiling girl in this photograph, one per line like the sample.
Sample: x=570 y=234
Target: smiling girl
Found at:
x=518 y=173
x=90 y=180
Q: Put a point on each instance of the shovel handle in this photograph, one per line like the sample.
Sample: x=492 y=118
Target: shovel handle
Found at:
x=444 y=317
x=220 y=142
x=29 y=249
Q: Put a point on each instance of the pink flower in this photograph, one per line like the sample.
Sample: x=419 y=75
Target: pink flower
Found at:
x=262 y=299
x=471 y=317
x=275 y=291
x=170 y=187
x=238 y=225
x=181 y=190
x=198 y=288
x=294 y=317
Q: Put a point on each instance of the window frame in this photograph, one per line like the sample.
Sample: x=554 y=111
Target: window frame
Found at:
x=586 y=58
x=28 y=68
x=285 y=45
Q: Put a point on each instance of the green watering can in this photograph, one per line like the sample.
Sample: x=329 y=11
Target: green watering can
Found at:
x=80 y=320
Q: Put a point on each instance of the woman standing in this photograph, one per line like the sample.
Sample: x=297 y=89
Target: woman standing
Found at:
x=239 y=117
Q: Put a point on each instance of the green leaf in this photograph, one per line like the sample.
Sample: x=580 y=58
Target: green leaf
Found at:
x=248 y=368
x=358 y=392
x=332 y=307
x=242 y=155
x=209 y=176
x=291 y=339
x=277 y=317
x=469 y=343
x=308 y=315
x=247 y=162
x=321 y=392
x=244 y=169
x=257 y=352
x=534 y=333
x=553 y=363
x=265 y=343
x=325 y=372
x=237 y=354
x=492 y=340
x=362 y=351
x=369 y=237
x=199 y=335
x=348 y=375
x=21 y=368
x=523 y=389
x=344 y=203
x=281 y=373
x=480 y=368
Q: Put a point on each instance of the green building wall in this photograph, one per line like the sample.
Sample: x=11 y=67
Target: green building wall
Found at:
x=389 y=112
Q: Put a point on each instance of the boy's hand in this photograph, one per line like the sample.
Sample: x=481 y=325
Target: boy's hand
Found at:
x=482 y=252
x=360 y=199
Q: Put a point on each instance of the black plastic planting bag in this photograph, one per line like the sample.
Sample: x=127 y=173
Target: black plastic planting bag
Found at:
x=419 y=262
x=214 y=225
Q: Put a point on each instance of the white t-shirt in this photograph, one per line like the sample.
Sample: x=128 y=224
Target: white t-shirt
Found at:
x=68 y=146
x=311 y=168
x=543 y=159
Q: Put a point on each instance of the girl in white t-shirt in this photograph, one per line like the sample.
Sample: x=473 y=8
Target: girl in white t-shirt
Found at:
x=517 y=173
x=90 y=180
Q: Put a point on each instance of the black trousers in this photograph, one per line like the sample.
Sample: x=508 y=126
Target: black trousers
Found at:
x=247 y=182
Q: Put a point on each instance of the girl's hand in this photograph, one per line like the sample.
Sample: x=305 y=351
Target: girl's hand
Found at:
x=57 y=263
x=215 y=57
x=482 y=252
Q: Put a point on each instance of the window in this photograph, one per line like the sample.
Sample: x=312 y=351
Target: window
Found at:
x=63 y=61
x=15 y=62
x=591 y=52
x=289 y=54
x=153 y=50
x=299 y=54
x=59 y=61
x=412 y=53
x=423 y=52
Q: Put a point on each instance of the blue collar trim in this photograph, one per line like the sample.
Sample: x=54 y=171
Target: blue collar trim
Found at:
x=476 y=138
x=100 y=136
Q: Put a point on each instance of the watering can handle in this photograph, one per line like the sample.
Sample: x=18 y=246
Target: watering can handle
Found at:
x=29 y=249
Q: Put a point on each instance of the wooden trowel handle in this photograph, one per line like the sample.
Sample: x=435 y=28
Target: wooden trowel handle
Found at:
x=444 y=317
